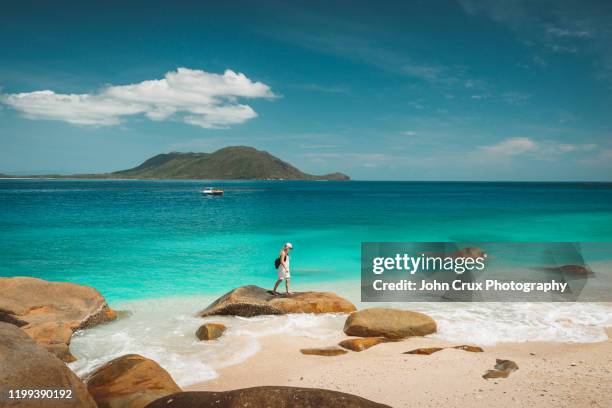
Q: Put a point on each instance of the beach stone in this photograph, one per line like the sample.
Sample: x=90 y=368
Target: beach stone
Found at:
x=503 y=368
x=425 y=351
x=324 y=351
x=471 y=349
x=129 y=381
x=363 y=343
x=210 y=331
x=47 y=310
x=389 y=323
x=251 y=300
x=268 y=396
x=24 y=365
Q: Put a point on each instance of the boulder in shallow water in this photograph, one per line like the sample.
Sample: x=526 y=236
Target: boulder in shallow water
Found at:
x=269 y=396
x=324 y=351
x=389 y=323
x=210 y=331
x=24 y=365
x=130 y=381
x=574 y=269
x=45 y=310
x=362 y=343
x=248 y=301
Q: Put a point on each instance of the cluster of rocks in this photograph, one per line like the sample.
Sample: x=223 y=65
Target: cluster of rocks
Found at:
x=50 y=312
x=38 y=318
x=375 y=326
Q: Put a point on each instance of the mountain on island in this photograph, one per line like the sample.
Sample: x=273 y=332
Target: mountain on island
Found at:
x=229 y=163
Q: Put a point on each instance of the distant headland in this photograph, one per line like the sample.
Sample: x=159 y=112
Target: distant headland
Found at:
x=228 y=163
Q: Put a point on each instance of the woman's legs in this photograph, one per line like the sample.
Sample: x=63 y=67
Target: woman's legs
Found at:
x=278 y=281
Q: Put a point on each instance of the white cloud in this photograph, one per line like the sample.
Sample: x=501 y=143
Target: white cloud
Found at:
x=511 y=146
x=196 y=97
x=409 y=133
x=544 y=149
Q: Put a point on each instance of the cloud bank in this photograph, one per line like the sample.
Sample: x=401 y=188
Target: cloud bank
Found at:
x=196 y=97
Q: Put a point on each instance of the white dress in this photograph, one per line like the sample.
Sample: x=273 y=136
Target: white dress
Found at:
x=282 y=273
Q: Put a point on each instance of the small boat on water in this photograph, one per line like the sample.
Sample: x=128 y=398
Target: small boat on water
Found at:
x=212 y=191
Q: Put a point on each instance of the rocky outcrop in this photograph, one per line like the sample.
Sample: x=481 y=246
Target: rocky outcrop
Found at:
x=361 y=344
x=248 y=301
x=389 y=323
x=54 y=336
x=24 y=365
x=324 y=351
x=210 y=331
x=271 y=396
x=50 y=311
x=129 y=381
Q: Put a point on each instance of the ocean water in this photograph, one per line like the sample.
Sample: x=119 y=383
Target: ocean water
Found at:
x=162 y=251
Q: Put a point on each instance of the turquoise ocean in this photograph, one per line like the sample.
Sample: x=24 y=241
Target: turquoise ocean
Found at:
x=161 y=251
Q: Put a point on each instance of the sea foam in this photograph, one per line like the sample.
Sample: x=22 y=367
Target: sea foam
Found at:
x=164 y=330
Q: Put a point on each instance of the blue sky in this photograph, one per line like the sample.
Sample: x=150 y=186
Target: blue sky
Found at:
x=467 y=90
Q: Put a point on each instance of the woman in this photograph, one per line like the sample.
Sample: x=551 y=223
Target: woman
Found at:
x=283 y=268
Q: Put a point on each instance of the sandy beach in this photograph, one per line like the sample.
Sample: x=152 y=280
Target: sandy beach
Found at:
x=549 y=375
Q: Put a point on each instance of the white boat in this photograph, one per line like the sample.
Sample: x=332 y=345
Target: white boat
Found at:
x=212 y=191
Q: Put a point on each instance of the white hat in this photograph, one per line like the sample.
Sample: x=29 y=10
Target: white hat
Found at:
x=288 y=245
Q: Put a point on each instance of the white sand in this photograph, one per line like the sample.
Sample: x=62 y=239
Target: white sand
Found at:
x=549 y=375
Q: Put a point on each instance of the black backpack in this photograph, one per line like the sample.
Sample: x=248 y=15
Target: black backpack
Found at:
x=277 y=263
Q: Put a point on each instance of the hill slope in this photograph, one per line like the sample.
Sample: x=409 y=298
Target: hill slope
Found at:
x=236 y=162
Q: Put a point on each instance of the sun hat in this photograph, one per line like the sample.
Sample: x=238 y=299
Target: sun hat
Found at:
x=288 y=245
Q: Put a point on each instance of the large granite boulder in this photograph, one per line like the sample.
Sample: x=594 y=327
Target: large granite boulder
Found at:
x=389 y=323
x=24 y=365
x=269 y=396
x=248 y=301
x=129 y=381
x=50 y=311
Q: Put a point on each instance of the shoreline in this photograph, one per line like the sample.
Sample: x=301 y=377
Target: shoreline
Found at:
x=550 y=374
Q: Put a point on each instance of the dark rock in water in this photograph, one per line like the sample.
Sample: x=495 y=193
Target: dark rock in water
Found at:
x=469 y=252
x=210 y=331
x=574 y=269
x=129 y=381
x=270 y=396
x=47 y=310
x=24 y=365
x=389 y=323
x=362 y=343
x=324 y=351
x=503 y=368
x=425 y=351
x=248 y=301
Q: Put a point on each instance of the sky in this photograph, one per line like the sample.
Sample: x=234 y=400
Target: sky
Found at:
x=420 y=90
